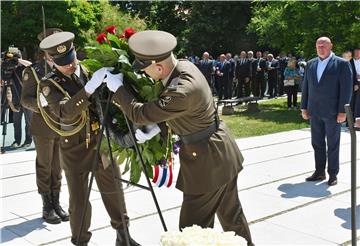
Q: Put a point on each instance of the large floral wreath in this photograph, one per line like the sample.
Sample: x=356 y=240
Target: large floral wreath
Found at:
x=113 y=51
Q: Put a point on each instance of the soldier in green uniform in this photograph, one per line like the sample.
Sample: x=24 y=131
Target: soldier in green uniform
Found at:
x=48 y=171
x=68 y=107
x=210 y=160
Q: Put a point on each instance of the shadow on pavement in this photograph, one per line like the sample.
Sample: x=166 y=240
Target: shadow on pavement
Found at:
x=345 y=214
x=21 y=229
x=304 y=189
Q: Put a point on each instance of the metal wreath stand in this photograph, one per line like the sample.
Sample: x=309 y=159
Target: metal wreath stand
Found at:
x=352 y=129
x=104 y=126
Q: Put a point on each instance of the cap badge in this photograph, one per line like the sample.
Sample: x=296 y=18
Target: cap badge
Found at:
x=61 y=49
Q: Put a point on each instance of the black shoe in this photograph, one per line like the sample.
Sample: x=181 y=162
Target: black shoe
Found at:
x=121 y=239
x=25 y=145
x=316 y=176
x=58 y=209
x=332 y=180
x=48 y=212
x=15 y=145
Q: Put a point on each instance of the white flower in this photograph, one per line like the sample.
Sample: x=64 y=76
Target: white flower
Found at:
x=197 y=236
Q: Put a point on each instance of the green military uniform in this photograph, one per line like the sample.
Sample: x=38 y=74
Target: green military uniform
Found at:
x=48 y=171
x=77 y=152
x=210 y=160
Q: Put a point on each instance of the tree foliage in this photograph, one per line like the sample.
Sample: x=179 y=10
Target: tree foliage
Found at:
x=295 y=26
x=219 y=27
x=22 y=22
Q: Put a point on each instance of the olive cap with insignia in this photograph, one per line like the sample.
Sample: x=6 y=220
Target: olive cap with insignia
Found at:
x=150 y=47
x=60 y=46
x=48 y=32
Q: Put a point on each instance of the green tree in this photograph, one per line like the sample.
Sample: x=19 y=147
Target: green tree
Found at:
x=219 y=27
x=295 y=26
x=22 y=22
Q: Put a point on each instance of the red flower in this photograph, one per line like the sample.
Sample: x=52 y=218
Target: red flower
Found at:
x=121 y=36
x=101 y=38
x=111 y=29
x=129 y=32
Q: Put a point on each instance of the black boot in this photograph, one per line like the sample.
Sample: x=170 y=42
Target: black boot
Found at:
x=58 y=209
x=48 y=212
x=121 y=239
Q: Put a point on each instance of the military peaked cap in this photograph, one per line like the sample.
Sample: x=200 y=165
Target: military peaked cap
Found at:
x=151 y=46
x=60 y=46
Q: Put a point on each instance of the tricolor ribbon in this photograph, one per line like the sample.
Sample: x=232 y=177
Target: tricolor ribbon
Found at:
x=163 y=175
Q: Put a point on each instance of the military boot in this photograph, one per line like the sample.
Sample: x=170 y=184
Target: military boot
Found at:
x=48 y=212
x=121 y=239
x=58 y=209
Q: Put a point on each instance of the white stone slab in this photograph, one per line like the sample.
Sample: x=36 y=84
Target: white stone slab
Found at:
x=267 y=233
x=13 y=170
x=318 y=220
x=257 y=205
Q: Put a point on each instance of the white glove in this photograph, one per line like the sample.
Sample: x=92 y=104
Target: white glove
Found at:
x=151 y=131
x=96 y=80
x=43 y=101
x=114 y=81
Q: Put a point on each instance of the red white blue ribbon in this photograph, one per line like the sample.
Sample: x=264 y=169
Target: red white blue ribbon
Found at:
x=163 y=175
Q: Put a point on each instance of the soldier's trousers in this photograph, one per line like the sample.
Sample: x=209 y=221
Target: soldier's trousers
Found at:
x=112 y=199
x=224 y=202
x=48 y=171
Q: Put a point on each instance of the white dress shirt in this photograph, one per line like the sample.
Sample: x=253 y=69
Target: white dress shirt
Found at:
x=357 y=66
x=321 y=66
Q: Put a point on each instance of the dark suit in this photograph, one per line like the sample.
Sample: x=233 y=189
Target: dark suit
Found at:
x=355 y=82
x=282 y=65
x=242 y=71
x=324 y=99
x=224 y=79
x=231 y=76
x=206 y=67
x=258 y=77
x=272 y=76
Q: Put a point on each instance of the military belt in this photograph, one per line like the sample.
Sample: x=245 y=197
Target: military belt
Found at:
x=200 y=135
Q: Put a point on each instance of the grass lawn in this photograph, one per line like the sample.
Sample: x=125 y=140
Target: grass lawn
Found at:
x=273 y=117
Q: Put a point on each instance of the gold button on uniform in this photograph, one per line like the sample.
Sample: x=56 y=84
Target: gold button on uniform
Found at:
x=194 y=154
x=77 y=104
x=66 y=140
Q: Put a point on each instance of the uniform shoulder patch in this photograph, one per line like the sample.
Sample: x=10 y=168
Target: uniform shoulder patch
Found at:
x=46 y=91
x=163 y=101
x=25 y=76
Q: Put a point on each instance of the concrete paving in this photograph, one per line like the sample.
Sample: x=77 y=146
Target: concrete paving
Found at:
x=281 y=207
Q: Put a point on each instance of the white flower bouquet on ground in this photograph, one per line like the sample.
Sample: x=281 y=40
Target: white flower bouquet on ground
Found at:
x=197 y=236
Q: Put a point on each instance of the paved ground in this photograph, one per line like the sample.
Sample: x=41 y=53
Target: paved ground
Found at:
x=282 y=209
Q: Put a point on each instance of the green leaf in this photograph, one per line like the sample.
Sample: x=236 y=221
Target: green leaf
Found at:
x=91 y=65
x=127 y=166
x=135 y=172
x=120 y=158
x=114 y=40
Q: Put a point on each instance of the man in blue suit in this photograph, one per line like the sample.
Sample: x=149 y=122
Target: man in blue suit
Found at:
x=327 y=87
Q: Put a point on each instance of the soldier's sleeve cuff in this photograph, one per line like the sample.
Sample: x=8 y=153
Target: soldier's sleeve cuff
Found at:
x=80 y=101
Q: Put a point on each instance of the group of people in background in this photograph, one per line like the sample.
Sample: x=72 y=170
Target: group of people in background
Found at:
x=247 y=74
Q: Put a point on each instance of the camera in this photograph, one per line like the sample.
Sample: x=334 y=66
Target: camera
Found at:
x=9 y=61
